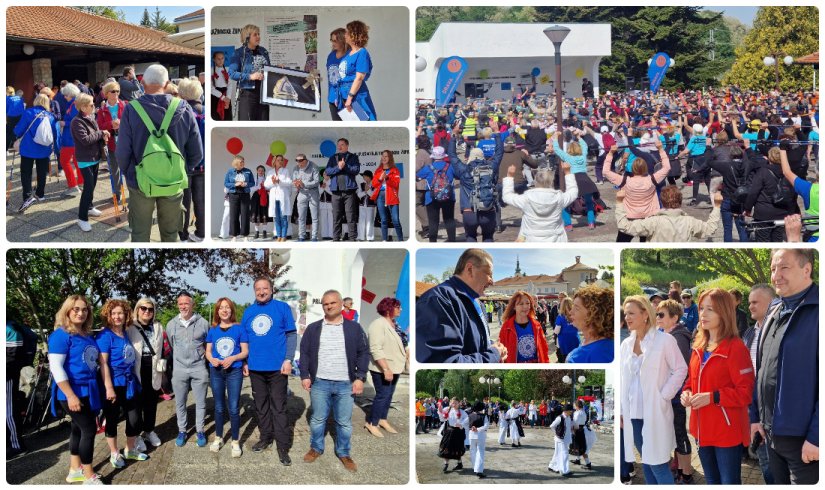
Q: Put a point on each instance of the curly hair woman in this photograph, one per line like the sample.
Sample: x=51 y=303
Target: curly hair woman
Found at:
x=592 y=315
x=354 y=70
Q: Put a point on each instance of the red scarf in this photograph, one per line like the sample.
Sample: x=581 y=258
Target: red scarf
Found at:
x=225 y=75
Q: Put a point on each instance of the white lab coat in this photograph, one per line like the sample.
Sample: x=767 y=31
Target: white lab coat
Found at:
x=282 y=191
x=561 y=458
x=478 y=444
x=663 y=373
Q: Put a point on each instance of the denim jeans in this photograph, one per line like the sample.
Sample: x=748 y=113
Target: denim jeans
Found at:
x=728 y=221
x=226 y=387
x=722 y=465
x=327 y=395
x=396 y=219
x=383 y=397
x=281 y=221
x=764 y=465
x=655 y=474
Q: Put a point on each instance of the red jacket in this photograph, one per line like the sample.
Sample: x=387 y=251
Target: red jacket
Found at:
x=729 y=371
x=104 y=120
x=508 y=337
x=393 y=182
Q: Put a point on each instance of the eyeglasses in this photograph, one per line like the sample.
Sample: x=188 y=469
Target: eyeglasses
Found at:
x=660 y=315
x=146 y=308
x=78 y=309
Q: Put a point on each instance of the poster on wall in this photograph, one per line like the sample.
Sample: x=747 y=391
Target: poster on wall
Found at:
x=291 y=88
x=292 y=41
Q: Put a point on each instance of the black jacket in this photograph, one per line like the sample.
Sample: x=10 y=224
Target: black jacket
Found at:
x=763 y=187
x=88 y=139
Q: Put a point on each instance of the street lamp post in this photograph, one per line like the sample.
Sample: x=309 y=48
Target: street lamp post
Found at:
x=572 y=381
x=556 y=35
x=772 y=60
x=490 y=380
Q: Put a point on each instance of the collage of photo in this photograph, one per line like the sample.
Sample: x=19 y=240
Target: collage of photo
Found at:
x=348 y=243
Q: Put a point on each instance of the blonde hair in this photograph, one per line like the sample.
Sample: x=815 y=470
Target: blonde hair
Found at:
x=171 y=89
x=84 y=100
x=110 y=86
x=247 y=30
x=238 y=159
x=643 y=304
x=61 y=318
x=598 y=302
x=565 y=307
x=42 y=100
x=574 y=149
x=144 y=302
x=189 y=89
x=9 y=90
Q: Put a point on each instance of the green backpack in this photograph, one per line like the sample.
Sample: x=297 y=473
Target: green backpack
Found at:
x=162 y=169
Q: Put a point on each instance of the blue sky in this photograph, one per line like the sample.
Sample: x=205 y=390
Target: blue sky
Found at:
x=134 y=14
x=743 y=14
x=532 y=261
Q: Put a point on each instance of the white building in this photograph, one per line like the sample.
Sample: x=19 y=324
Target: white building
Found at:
x=502 y=55
x=544 y=285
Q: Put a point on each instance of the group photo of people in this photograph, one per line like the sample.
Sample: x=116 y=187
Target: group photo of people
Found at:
x=719 y=367
x=612 y=147
x=310 y=185
x=487 y=308
x=79 y=116
x=562 y=418
x=121 y=358
x=309 y=63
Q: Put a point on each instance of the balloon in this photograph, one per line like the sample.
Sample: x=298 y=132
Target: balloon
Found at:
x=536 y=71
x=544 y=79
x=234 y=146
x=483 y=74
x=279 y=256
x=420 y=63
x=277 y=148
x=328 y=148
x=579 y=72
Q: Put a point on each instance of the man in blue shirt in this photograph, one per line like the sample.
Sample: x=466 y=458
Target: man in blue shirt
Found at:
x=270 y=326
x=691 y=315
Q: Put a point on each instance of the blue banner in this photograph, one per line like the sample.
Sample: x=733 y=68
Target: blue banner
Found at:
x=449 y=77
x=657 y=69
x=402 y=294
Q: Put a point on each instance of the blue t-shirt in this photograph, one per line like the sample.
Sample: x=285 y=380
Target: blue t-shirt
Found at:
x=122 y=355
x=227 y=343
x=351 y=64
x=671 y=145
x=333 y=75
x=568 y=337
x=488 y=146
x=752 y=137
x=697 y=145
x=81 y=361
x=526 y=343
x=803 y=188
x=266 y=326
x=598 y=351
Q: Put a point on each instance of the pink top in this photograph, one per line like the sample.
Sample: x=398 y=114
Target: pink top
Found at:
x=640 y=200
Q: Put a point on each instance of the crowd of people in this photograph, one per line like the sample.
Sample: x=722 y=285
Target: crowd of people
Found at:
x=120 y=366
x=649 y=146
x=463 y=427
x=323 y=199
x=348 y=67
x=748 y=385
x=124 y=123
x=453 y=323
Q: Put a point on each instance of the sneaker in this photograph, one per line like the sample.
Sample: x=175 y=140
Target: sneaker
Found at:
x=75 y=476
x=568 y=227
x=217 y=444
x=261 y=446
x=153 y=440
x=181 y=440
x=84 y=225
x=194 y=238
x=140 y=444
x=117 y=460
x=236 y=449
x=27 y=204
x=94 y=480
x=135 y=455
x=72 y=191
x=201 y=439
x=93 y=211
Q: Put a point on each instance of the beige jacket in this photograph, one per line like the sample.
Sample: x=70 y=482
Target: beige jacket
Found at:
x=668 y=225
x=156 y=340
x=385 y=344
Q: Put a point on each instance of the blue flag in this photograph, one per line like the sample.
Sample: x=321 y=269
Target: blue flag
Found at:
x=657 y=69
x=402 y=294
x=449 y=77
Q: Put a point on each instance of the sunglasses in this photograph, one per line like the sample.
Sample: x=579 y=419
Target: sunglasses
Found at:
x=146 y=308
x=660 y=315
x=114 y=91
x=300 y=159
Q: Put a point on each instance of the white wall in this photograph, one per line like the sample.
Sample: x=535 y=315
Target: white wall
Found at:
x=367 y=142
x=388 y=46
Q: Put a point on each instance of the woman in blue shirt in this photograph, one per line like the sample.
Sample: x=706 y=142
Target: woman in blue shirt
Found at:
x=33 y=154
x=246 y=67
x=118 y=364
x=238 y=183
x=14 y=110
x=592 y=314
x=354 y=70
x=576 y=156
x=567 y=337
x=339 y=50
x=73 y=360
x=226 y=347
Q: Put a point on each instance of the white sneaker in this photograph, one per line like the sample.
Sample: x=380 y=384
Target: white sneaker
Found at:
x=217 y=444
x=84 y=225
x=94 y=480
x=236 y=449
x=72 y=191
x=152 y=438
x=140 y=445
x=93 y=211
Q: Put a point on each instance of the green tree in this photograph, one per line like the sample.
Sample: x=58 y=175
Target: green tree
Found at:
x=428 y=19
x=793 y=31
x=146 y=21
x=448 y=273
x=522 y=384
x=430 y=279
x=110 y=12
x=428 y=380
x=160 y=23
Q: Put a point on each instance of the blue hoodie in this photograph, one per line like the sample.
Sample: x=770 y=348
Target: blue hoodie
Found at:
x=28 y=148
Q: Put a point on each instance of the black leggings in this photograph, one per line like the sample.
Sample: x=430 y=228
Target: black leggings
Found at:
x=130 y=407
x=84 y=428
x=42 y=168
x=447 y=209
x=149 y=396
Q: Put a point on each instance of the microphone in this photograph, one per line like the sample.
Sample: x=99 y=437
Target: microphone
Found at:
x=247 y=40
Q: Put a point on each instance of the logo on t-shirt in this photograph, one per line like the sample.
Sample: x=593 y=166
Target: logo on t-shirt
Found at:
x=261 y=324
x=527 y=347
x=333 y=75
x=225 y=346
x=90 y=355
x=129 y=354
x=342 y=68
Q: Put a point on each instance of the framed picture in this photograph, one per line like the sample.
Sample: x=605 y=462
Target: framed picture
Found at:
x=291 y=88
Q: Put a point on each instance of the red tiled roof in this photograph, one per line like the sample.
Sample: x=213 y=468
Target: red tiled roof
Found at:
x=527 y=279
x=422 y=287
x=196 y=13
x=68 y=25
x=577 y=267
x=812 y=59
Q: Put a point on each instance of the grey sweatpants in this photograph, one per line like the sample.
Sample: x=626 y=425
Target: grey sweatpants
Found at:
x=308 y=201
x=196 y=379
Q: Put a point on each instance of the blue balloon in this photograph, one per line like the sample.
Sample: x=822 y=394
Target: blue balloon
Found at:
x=328 y=148
x=536 y=71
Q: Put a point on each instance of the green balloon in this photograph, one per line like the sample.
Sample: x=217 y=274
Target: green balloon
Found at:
x=277 y=148
x=483 y=74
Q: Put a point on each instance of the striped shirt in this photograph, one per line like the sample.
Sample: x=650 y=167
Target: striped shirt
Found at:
x=332 y=353
x=757 y=329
